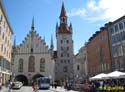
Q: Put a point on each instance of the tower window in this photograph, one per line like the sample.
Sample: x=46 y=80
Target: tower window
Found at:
x=31 y=50
x=67 y=48
x=63 y=19
x=68 y=61
x=62 y=48
x=67 y=41
x=61 y=54
x=78 y=67
x=61 y=41
x=67 y=54
x=65 y=69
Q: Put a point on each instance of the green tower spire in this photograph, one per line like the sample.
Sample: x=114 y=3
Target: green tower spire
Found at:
x=32 y=27
x=51 y=46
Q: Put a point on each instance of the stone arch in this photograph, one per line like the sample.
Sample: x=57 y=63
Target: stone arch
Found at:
x=21 y=78
x=37 y=76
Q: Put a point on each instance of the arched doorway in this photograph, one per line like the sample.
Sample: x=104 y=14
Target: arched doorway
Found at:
x=36 y=76
x=22 y=78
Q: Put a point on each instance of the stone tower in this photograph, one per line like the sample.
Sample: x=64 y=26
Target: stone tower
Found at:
x=64 y=62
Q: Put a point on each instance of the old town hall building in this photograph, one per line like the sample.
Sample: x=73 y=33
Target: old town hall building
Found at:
x=32 y=58
x=64 y=62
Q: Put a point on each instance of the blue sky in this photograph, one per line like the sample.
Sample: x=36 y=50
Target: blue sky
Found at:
x=86 y=16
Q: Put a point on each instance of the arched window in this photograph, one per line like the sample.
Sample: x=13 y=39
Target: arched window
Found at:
x=31 y=64
x=42 y=65
x=20 y=66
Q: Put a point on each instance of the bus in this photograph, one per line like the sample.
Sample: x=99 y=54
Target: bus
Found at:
x=43 y=82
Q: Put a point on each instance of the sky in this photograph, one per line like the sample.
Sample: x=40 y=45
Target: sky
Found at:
x=86 y=16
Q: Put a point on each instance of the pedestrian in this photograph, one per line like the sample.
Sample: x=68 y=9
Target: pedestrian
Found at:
x=86 y=86
x=35 y=86
x=55 y=84
x=52 y=84
x=0 y=85
x=10 y=85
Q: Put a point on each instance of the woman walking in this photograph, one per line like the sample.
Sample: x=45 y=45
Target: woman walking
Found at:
x=35 y=87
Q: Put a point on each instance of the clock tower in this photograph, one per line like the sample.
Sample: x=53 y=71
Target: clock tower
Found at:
x=64 y=63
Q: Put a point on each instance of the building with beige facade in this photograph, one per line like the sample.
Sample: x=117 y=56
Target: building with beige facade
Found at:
x=32 y=58
x=80 y=64
x=5 y=46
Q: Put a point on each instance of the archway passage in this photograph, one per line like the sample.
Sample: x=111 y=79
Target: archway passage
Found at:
x=21 y=78
x=37 y=76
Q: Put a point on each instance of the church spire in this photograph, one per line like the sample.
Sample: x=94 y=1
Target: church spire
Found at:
x=63 y=16
x=51 y=46
x=32 y=27
x=63 y=12
x=56 y=26
x=70 y=27
x=63 y=27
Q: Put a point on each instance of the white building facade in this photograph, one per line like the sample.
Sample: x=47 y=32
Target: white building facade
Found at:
x=80 y=64
x=32 y=59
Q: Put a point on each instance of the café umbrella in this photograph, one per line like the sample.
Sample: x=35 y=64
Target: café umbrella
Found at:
x=98 y=77
x=114 y=74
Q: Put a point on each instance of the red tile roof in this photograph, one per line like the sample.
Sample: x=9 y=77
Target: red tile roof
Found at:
x=63 y=29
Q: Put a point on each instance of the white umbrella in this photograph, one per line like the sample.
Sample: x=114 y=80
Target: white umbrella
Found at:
x=114 y=74
x=122 y=76
x=99 y=76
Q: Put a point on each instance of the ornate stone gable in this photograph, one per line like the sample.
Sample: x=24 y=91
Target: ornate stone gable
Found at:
x=33 y=43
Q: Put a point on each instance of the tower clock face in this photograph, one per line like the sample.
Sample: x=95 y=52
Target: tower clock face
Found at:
x=64 y=37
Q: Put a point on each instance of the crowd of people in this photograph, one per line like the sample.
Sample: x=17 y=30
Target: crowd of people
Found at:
x=110 y=85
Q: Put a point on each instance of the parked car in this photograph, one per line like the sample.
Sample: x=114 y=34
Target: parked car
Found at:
x=17 y=85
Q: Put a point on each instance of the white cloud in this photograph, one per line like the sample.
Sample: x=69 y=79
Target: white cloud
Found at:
x=77 y=12
x=101 y=10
